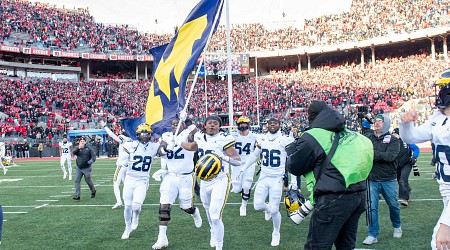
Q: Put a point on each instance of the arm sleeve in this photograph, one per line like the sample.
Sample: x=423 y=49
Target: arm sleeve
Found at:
x=124 y=158
x=415 y=150
x=391 y=152
x=75 y=150
x=446 y=216
x=411 y=134
x=251 y=158
x=93 y=155
x=112 y=135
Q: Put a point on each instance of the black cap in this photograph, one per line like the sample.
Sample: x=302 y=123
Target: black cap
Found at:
x=314 y=109
x=273 y=120
x=83 y=138
x=396 y=131
x=213 y=117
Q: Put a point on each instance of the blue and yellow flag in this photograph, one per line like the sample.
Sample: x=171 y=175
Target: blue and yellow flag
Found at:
x=171 y=67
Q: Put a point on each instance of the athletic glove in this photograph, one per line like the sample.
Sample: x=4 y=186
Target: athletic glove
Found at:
x=416 y=170
x=285 y=180
x=90 y=162
x=413 y=160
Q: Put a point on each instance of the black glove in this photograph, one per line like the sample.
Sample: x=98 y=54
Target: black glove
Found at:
x=416 y=170
x=90 y=162
x=285 y=180
x=413 y=160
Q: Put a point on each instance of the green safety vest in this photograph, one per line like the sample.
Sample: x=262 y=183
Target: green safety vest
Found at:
x=353 y=157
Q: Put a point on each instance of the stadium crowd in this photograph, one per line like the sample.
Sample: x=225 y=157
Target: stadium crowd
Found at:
x=76 y=30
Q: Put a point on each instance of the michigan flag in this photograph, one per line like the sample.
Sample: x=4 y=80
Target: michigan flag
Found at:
x=171 y=67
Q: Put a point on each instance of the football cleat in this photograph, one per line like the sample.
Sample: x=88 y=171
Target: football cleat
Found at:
x=243 y=211
x=70 y=177
x=117 y=205
x=161 y=243
x=126 y=234
x=197 y=218
x=275 y=239
x=4 y=171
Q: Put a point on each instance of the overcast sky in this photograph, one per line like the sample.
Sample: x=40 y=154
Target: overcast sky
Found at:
x=171 y=13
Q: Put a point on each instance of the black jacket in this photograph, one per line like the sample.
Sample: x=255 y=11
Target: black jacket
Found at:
x=404 y=156
x=83 y=156
x=386 y=149
x=310 y=156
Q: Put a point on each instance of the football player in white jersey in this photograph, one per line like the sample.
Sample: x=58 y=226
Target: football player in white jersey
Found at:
x=2 y=154
x=178 y=179
x=435 y=129
x=214 y=192
x=137 y=157
x=65 y=151
x=245 y=145
x=272 y=148
x=119 y=174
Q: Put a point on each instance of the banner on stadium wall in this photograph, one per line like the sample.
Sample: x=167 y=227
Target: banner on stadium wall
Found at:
x=121 y=57
x=13 y=49
x=145 y=58
x=36 y=51
x=66 y=54
x=94 y=56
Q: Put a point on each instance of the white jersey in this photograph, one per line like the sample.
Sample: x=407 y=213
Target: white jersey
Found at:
x=245 y=144
x=180 y=160
x=435 y=129
x=65 y=149
x=272 y=148
x=2 y=149
x=138 y=157
x=219 y=142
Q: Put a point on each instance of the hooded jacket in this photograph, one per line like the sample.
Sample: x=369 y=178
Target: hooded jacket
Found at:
x=310 y=155
x=386 y=148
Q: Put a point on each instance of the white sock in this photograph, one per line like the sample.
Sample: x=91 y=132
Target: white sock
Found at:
x=244 y=202
x=276 y=219
x=69 y=168
x=218 y=231
x=3 y=166
x=63 y=169
x=116 y=188
x=127 y=213
x=162 y=230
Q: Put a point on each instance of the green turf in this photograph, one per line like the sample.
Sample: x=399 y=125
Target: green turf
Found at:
x=63 y=224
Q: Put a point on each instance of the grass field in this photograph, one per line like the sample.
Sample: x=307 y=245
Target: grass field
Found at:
x=40 y=214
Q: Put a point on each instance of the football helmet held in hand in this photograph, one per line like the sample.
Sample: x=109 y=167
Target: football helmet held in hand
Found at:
x=208 y=166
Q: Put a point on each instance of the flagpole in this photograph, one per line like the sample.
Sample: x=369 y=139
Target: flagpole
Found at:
x=216 y=18
x=206 y=94
x=257 y=88
x=230 y=83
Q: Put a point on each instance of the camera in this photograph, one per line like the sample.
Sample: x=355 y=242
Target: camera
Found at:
x=300 y=214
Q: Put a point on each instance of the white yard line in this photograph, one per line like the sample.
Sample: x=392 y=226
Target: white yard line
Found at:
x=62 y=195
x=41 y=206
x=15 y=212
x=46 y=200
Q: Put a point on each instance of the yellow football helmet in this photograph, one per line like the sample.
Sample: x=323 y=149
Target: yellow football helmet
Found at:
x=293 y=200
x=443 y=82
x=208 y=166
x=243 y=119
x=144 y=132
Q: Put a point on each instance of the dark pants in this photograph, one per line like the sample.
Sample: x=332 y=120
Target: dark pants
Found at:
x=335 y=221
x=79 y=172
x=40 y=154
x=403 y=185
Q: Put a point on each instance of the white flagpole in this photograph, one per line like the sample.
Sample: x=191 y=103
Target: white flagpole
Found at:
x=216 y=18
x=257 y=88
x=206 y=93
x=230 y=83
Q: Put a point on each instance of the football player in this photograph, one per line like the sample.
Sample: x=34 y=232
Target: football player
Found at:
x=65 y=151
x=245 y=144
x=214 y=192
x=435 y=129
x=178 y=179
x=272 y=148
x=138 y=157
x=119 y=174
x=2 y=154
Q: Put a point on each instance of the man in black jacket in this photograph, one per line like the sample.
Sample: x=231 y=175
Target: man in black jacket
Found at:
x=85 y=159
x=383 y=178
x=337 y=186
